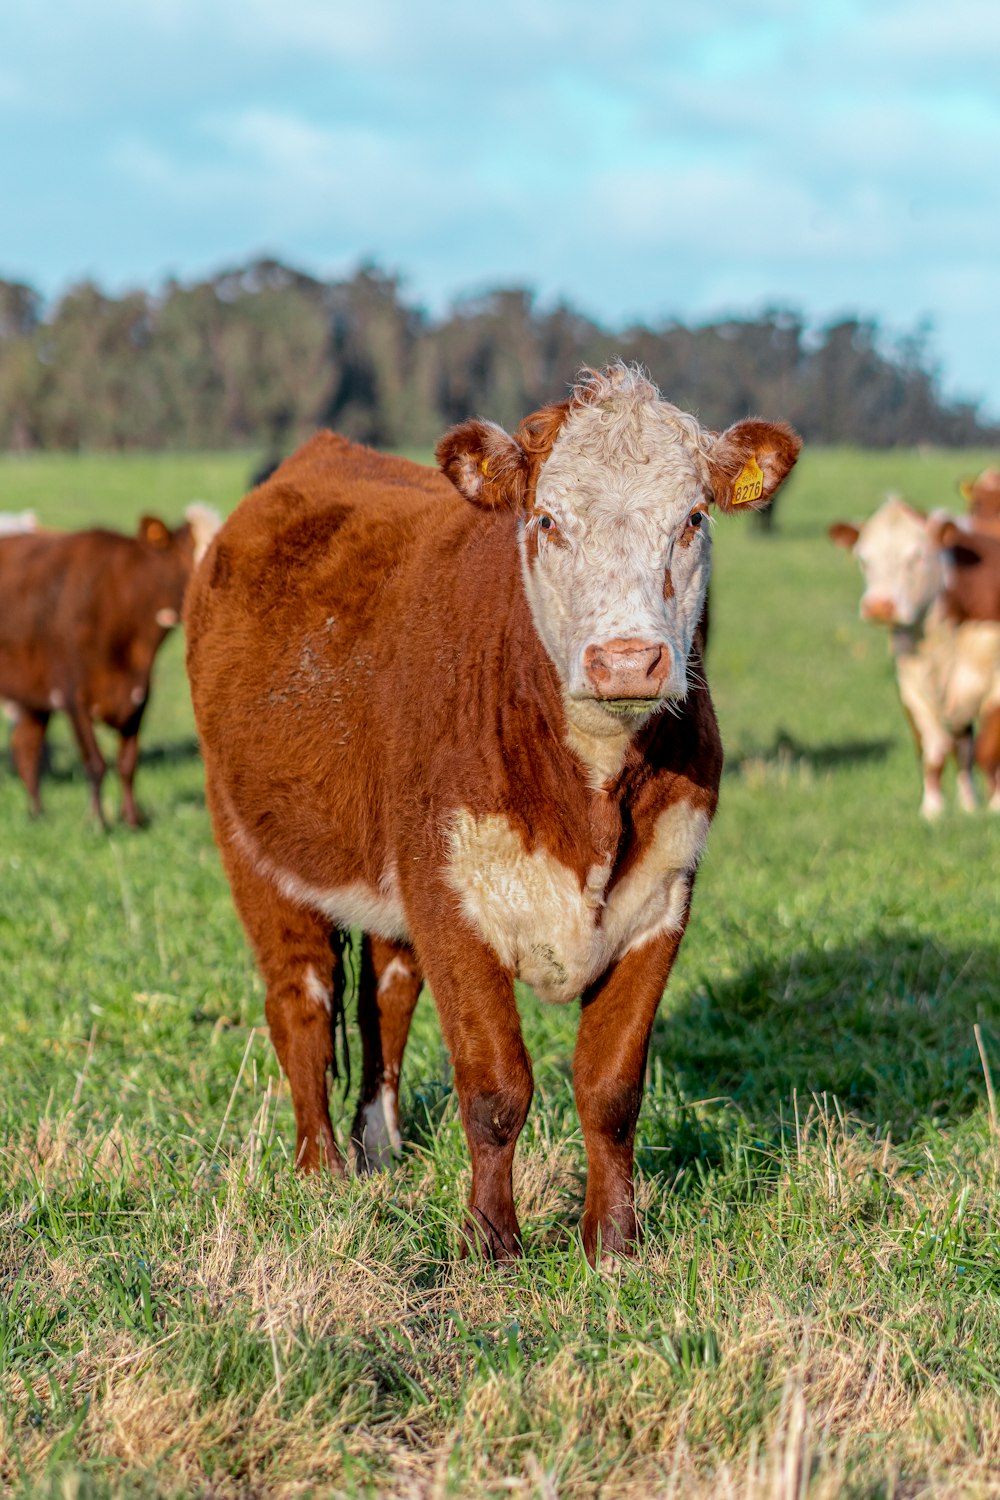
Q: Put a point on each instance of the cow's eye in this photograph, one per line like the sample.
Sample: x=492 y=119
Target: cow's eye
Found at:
x=545 y=521
x=695 y=518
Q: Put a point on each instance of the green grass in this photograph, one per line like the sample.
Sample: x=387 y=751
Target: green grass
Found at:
x=817 y=1307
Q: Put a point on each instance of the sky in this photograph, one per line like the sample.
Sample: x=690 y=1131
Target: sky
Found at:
x=643 y=161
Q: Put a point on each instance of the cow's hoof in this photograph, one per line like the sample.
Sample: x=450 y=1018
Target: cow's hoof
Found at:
x=609 y=1241
x=489 y=1239
x=376 y=1141
x=313 y=1157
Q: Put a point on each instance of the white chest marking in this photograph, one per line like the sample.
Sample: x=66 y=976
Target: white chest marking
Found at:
x=531 y=911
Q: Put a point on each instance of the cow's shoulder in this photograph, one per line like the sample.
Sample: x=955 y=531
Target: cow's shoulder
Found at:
x=332 y=513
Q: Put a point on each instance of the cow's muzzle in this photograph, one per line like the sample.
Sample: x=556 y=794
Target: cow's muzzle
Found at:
x=633 y=670
x=878 y=610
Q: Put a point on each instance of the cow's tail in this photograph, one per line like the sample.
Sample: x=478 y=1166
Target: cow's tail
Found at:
x=204 y=523
x=350 y=958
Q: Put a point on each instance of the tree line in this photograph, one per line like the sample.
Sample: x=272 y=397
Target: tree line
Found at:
x=263 y=354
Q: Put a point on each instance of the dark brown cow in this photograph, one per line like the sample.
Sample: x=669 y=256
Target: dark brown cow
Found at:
x=82 y=616
x=472 y=716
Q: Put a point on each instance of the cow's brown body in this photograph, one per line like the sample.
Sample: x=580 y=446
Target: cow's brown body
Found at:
x=972 y=572
x=82 y=616
x=982 y=496
x=386 y=746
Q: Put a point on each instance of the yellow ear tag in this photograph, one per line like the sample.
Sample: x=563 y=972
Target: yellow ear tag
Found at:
x=484 y=467
x=749 y=483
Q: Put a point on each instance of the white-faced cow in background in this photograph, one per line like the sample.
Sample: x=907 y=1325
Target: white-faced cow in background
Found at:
x=948 y=673
x=15 y=523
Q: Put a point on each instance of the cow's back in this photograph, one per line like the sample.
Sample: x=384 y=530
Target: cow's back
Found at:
x=294 y=622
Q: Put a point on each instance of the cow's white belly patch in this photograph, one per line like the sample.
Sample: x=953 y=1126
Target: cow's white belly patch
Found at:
x=531 y=911
x=354 y=905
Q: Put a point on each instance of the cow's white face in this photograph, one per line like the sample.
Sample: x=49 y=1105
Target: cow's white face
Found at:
x=902 y=567
x=617 y=553
x=612 y=491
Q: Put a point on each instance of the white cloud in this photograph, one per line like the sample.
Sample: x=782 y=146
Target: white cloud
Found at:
x=648 y=159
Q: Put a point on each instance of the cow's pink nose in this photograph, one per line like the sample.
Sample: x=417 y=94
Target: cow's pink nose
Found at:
x=627 y=669
x=880 y=610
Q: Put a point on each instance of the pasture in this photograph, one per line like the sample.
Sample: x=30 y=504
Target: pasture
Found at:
x=816 y=1311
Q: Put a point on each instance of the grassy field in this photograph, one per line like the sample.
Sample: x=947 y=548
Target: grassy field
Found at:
x=816 y=1311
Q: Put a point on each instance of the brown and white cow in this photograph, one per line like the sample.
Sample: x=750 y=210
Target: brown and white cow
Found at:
x=13 y=523
x=947 y=666
x=82 y=616
x=982 y=495
x=467 y=712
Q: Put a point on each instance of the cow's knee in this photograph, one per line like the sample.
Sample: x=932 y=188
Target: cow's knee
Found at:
x=611 y=1109
x=493 y=1118
x=299 y=1013
x=496 y=1116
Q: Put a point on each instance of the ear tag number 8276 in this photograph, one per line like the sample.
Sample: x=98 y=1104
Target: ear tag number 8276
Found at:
x=749 y=483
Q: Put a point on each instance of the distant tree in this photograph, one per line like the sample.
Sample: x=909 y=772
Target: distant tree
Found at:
x=260 y=355
x=20 y=372
x=382 y=391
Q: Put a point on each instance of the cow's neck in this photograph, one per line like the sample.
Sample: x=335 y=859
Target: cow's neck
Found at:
x=590 y=768
x=908 y=640
x=602 y=747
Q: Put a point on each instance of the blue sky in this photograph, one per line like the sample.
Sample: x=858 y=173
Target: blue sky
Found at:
x=648 y=160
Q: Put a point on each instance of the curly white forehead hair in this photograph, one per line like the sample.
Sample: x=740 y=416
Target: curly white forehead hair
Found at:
x=624 y=401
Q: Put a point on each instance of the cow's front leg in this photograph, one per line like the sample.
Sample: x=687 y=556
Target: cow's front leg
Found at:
x=609 y=1065
x=474 y=995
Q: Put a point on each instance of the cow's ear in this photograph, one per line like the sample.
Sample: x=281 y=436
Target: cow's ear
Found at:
x=485 y=464
x=154 y=532
x=962 y=545
x=749 y=461
x=844 y=534
x=942 y=529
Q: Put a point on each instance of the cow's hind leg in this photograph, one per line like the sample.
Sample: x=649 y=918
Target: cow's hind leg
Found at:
x=988 y=754
x=27 y=742
x=388 y=986
x=90 y=753
x=292 y=944
x=128 y=759
x=964 y=760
